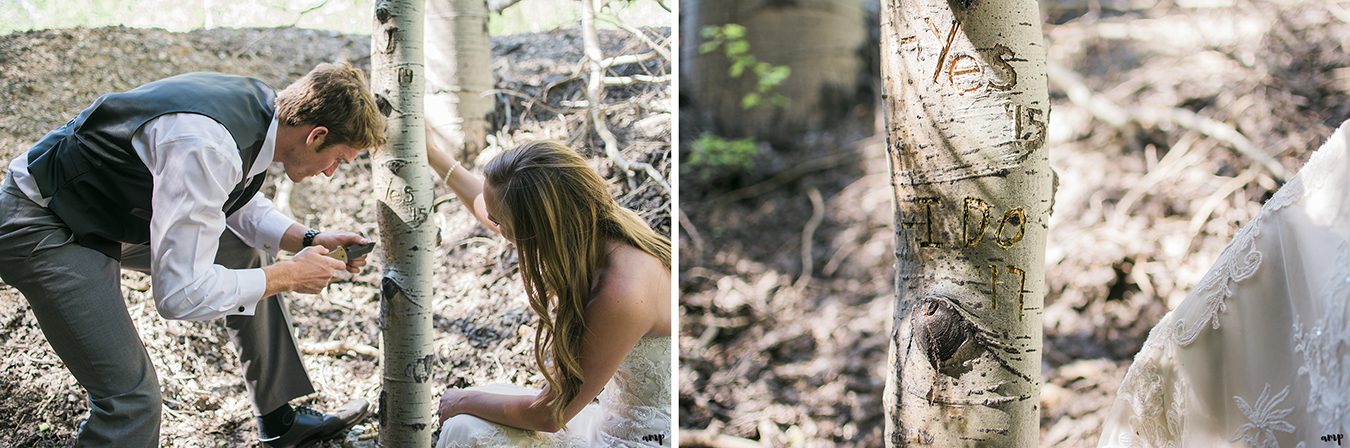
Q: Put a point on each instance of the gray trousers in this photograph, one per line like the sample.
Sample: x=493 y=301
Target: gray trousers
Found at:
x=75 y=294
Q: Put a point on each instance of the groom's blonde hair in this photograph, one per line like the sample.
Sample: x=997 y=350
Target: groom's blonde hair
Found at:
x=334 y=96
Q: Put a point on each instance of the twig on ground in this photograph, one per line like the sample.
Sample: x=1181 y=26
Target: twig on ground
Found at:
x=611 y=81
x=659 y=48
x=530 y=100
x=497 y=6
x=1106 y=111
x=335 y=348
x=808 y=237
x=627 y=59
x=1177 y=160
x=714 y=439
x=1210 y=204
x=594 y=91
x=691 y=231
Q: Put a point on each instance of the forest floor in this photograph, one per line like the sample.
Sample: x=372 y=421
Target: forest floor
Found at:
x=1142 y=211
x=483 y=325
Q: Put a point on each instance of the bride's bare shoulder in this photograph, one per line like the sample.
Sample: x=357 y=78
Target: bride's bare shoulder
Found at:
x=630 y=276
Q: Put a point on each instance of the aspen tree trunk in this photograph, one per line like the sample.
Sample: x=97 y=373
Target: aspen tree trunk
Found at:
x=459 y=76
x=403 y=190
x=966 y=104
x=820 y=40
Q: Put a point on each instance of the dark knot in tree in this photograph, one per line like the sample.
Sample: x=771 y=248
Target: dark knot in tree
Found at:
x=941 y=330
x=959 y=5
x=382 y=11
x=383 y=105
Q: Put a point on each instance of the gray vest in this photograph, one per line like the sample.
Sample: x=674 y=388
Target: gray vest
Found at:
x=98 y=185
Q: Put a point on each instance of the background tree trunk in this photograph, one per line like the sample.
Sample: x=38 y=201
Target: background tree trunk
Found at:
x=403 y=189
x=459 y=76
x=966 y=112
x=822 y=41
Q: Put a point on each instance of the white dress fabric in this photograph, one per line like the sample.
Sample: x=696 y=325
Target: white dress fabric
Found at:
x=1258 y=354
x=633 y=410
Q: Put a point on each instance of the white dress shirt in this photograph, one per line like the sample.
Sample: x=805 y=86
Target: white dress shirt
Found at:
x=190 y=188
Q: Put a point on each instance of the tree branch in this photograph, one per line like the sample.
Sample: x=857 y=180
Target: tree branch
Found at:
x=630 y=80
x=334 y=348
x=497 y=6
x=627 y=59
x=665 y=53
x=808 y=237
x=714 y=439
x=594 y=92
x=1108 y=112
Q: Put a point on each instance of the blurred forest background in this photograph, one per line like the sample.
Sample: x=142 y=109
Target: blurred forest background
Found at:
x=1171 y=122
x=57 y=57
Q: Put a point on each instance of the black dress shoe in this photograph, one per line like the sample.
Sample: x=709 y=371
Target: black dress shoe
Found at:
x=310 y=426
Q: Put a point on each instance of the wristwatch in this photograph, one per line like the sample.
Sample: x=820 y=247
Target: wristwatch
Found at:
x=309 y=238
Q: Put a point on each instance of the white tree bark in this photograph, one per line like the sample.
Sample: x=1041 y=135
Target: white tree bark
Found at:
x=459 y=101
x=820 y=40
x=966 y=112
x=403 y=190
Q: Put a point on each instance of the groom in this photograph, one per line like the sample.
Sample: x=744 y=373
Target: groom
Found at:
x=150 y=179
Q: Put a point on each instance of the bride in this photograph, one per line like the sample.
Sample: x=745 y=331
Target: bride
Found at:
x=599 y=280
x=1259 y=353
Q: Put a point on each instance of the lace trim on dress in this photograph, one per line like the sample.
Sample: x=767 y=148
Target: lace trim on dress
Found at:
x=637 y=401
x=1324 y=348
x=1238 y=262
x=1158 y=416
x=1157 y=413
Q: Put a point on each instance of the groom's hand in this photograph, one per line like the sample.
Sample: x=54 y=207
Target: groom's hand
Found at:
x=313 y=270
x=334 y=240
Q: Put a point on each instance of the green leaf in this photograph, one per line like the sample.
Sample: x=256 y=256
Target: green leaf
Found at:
x=737 y=68
x=708 y=47
x=710 y=32
x=750 y=100
x=737 y=48
x=733 y=31
x=774 y=76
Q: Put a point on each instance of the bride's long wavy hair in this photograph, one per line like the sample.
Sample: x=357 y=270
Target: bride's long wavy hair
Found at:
x=560 y=215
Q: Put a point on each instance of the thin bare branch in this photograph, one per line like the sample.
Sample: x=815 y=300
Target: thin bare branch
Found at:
x=659 y=48
x=1108 y=112
x=335 y=348
x=594 y=92
x=627 y=59
x=714 y=439
x=630 y=80
x=497 y=6
x=808 y=237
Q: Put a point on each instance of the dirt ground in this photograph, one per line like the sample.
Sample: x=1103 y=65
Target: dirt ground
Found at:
x=1143 y=209
x=484 y=325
